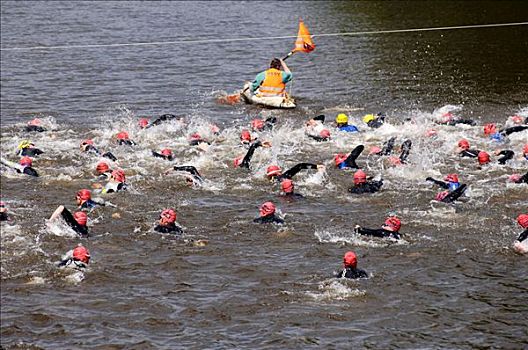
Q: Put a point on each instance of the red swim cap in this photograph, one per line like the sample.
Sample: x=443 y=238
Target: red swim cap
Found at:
x=214 y=128
x=25 y=161
x=80 y=217
x=431 y=132
x=517 y=119
x=350 y=260
x=123 y=135
x=483 y=158
x=34 y=122
x=340 y=158
x=245 y=136
x=523 y=220
x=80 y=253
x=195 y=137
x=169 y=215
x=102 y=167
x=325 y=133
x=166 y=152
x=287 y=186
x=118 y=175
x=257 y=124
x=490 y=129
x=237 y=161
x=86 y=142
x=273 y=170
x=451 y=178
x=395 y=160
x=447 y=117
x=143 y=122
x=84 y=194
x=464 y=144
x=393 y=223
x=441 y=195
x=267 y=209
x=360 y=177
x=375 y=150
x=525 y=149
x=514 y=178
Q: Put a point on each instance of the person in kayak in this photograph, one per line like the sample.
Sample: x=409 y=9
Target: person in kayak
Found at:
x=192 y=176
x=374 y=121
x=24 y=166
x=85 y=201
x=521 y=243
x=287 y=190
x=77 y=221
x=167 y=222
x=391 y=229
x=77 y=258
x=35 y=125
x=243 y=162
x=27 y=148
x=343 y=161
x=122 y=138
x=272 y=82
x=361 y=185
x=3 y=212
x=350 y=269
x=342 y=124
x=88 y=146
x=274 y=172
x=267 y=214
x=165 y=153
x=464 y=149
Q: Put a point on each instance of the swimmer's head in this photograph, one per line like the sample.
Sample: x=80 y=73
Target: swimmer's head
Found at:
x=166 y=152
x=464 y=144
x=85 y=143
x=287 y=186
x=3 y=207
x=101 y=168
x=490 y=129
x=514 y=178
x=431 y=133
x=245 y=136
x=267 y=209
x=80 y=253
x=83 y=196
x=360 y=177
x=35 y=122
x=118 y=175
x=167 y=217
x=517 y=119
x=525 y=149
x=273 y=171
x=447 y=117
x=340 y=158
x=451 y=178
x=325 y=134
x=350 y=260
x=392 y=223
x=523 y=220
x=80 y=217
x=123 y=135
x=257 y=124
x=26 y=161
x=483 y=158
x=143 y=123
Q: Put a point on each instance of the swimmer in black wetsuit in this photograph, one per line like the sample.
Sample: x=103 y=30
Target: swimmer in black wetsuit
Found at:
x=267 y=215
x=77 y=258
x=167 y=223
x=165 y=154
x=465 y=151
x=34 y=126
x=263 y=125
x=451 y=183
x=77 y=221
x=517 y=178
x=521 y=243
x=449 y=119
x=103 y=171
x=361 y=185
x=343 y=161
x=123 y=139
x=88 y=146
x=24 y=166
x=390 y=229
x=374 y=121
x=26 y=148
x=451 y=196
x=117 y=182
x=194 y=178
x=273 y=172
x=85 y=201
x=162 y=119
x=288 y=190
x=243 y=162
x=350 y=269
x=315 y=129
x=506 y=155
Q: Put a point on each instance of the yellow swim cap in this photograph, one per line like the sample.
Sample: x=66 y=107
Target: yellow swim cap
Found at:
x=368 y=118
x=341 y=118
x=24 y=144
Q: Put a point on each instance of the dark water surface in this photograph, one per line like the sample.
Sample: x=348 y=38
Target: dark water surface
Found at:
x=453 y=283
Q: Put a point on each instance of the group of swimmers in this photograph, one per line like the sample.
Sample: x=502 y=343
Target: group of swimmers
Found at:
x=316 y=129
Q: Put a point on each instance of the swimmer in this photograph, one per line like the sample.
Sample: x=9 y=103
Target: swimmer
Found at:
x=197 y=140
x=517 y=178
x=451 y=196
x=243 y=162
x=451 y=183
x=117 y=182
x=35 y=125
x=246 y=138
x=490 y=130
x=404 y=153
x=162 y=119
x=342 y=124
x=388 y=146
x=88 y=146
x=273 y=172
x=77 y=258
x=165 y=153
x=263 y=125
x=26 y=148
x=77 y=221
x=390 y=229
x=525 y=151
x=103 y=171
x=122 y=138
x=167 y=222
x=315 y=129
x=267 y=214
x=3 y=212
x=483 y=158
x=25 y=166
x=350 y=269
x=506 y=155
x=450 y=119
x=287 y=190
x=85 y=201
x=342 y=161
x=194 y=177
x=464 y=150
x=361 y=185
x=521 y=243
x=374 y=121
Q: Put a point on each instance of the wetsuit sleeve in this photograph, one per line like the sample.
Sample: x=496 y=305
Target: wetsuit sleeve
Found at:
x=513 y=129
x=388 y=146
x=351 y=159
x=156 y=154
x=93 y=149
x=442 y=184
x=258 y=80
x=524 y=178
x=506 y=155
x=68 y=218
x=110 y=156
x=190 y=169
x=471 y=153
x=406 y=148
x=382 y=233
x=454 y=195
x=523 y=235
x=161 y=119
x=30 y=171
x=288 y=174
x=249 y=154
x=286 y=77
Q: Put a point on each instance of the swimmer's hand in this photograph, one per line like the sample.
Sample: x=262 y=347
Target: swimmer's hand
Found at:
x=429 y=179
x=321 y=167
x=266 y=144
x=356 y=228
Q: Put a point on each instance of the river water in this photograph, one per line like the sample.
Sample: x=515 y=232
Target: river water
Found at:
x=453 y=282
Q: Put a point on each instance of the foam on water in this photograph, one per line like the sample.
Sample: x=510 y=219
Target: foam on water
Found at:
x=335 y=290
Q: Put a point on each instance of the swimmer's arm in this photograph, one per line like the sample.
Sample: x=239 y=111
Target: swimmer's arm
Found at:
x=523 y=235
x=288 y=174
x=442 y=184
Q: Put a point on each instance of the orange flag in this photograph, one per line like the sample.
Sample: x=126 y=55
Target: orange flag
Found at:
x=304 y=39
